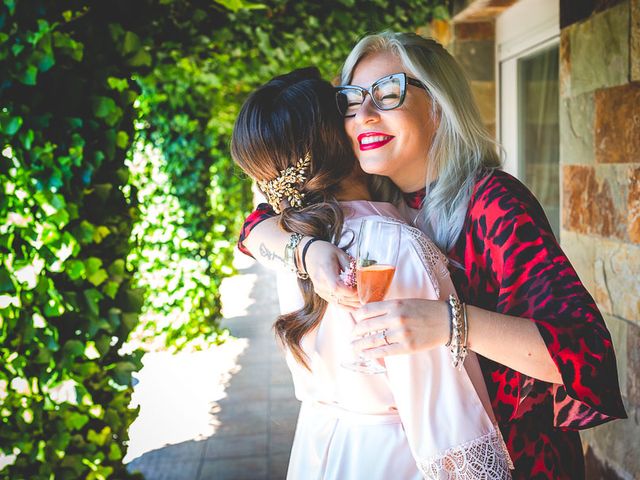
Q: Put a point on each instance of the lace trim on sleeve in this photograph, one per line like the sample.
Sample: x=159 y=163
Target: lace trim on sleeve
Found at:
x=485 y=457
x=435 y=262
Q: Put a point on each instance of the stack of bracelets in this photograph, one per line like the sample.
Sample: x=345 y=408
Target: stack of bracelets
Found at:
x=458 y=325
x=291 y=257
x=458 y=331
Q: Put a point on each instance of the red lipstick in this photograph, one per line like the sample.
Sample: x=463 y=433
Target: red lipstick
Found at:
x=373 y=140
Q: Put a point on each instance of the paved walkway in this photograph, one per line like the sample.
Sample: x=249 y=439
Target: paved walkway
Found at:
x=223 y=415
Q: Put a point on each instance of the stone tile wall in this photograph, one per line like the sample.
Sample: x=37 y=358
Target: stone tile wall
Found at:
x=600 y=167
x=472 y=43
x=600 y=178
x=474 y=48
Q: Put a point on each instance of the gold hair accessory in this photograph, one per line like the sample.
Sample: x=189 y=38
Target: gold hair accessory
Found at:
x=284 y=185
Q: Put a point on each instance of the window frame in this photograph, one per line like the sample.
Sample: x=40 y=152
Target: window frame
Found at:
x=523 y=30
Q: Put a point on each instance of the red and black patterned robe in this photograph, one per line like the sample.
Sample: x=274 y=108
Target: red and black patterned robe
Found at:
x=510 y=262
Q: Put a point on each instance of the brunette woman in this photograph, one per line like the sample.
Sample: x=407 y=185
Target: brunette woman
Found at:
x=423 y=417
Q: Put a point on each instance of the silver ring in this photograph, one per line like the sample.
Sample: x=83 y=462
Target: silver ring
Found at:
x=384 y=335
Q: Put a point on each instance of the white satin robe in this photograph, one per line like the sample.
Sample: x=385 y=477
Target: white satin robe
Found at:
x=422 y=419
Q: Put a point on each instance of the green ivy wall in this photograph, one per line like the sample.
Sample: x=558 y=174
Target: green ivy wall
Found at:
x=118 y=194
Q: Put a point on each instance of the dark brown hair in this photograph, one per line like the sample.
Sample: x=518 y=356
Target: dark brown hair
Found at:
x=287 y=118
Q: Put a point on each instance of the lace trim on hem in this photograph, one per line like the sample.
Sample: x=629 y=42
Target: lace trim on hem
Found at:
x=485 y=457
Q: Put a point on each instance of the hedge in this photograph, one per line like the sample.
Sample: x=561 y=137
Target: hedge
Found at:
x=108 y=111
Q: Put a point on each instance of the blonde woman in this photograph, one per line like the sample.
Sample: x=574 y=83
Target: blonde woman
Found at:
x=544 y=350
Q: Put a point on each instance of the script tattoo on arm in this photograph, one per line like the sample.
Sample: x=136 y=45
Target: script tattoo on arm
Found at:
x=269 y=255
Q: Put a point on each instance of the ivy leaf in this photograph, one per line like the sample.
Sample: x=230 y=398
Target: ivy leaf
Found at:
x=140 y=59
x=44 y=61
x=11 y=6
x=92 y=265
x=95 y=274
x=68 y=46
x=73 y=348
x=93 y=297
x=16 y=48
x=130 y=320
x=6 y=284
x=27 y=138
x=84 y=232
x=60 y=441
x=134 y=299
x=119 y=84
x=116 y=269
x=122 y=372
x=75 y=269
x=75 y=420
x=103 y=106
x=11 y=126
x=110 y=289
x=122 y=140
x=98 y=277
x=114 y=452
x=236 y=5
x=100 y=233
x=29 y=75
x=103 y=344
x=99 y=438
x=43 y=356
x=130 y=43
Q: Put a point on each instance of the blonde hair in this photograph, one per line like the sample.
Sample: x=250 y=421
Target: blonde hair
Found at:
x=461 y=145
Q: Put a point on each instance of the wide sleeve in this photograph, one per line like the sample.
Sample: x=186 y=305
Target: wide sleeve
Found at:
x=446 y=421
x=535 y=280
x=261 y=213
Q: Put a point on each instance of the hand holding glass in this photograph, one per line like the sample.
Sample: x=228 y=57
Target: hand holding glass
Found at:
x=376 y=259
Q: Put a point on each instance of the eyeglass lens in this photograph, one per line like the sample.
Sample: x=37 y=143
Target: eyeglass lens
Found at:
x=386 y=95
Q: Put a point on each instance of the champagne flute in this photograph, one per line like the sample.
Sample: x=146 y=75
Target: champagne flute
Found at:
x=376 y=259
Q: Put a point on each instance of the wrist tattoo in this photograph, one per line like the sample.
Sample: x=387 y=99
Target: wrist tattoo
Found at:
x=269 y=255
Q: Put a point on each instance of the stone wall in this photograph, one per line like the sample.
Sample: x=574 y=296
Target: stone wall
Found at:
x=474 y=48
x=600 y=178
x=600 y=168
x=472 y=44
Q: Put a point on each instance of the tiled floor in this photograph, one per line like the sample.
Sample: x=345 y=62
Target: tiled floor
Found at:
x=253 y=424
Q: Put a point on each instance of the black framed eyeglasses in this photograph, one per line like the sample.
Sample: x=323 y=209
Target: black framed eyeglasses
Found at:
x=386 y=93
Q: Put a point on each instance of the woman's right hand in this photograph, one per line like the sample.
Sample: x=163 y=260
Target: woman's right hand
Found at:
x=325 y=262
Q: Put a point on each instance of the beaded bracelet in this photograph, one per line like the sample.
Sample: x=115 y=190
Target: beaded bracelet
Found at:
x=458 y=325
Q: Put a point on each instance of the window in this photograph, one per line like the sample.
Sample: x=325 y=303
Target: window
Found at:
x=527 y=37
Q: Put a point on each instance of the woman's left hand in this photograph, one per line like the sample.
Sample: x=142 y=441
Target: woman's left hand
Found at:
x=409 y=325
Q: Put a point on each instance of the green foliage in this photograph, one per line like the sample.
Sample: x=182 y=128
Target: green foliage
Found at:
x=193 y=198
x=64 y=234
x=115 y=119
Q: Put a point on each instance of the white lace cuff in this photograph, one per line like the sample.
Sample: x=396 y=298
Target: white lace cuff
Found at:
x=485 y=457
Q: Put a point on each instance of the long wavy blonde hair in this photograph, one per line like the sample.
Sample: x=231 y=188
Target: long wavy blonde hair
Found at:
x=461 y=145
